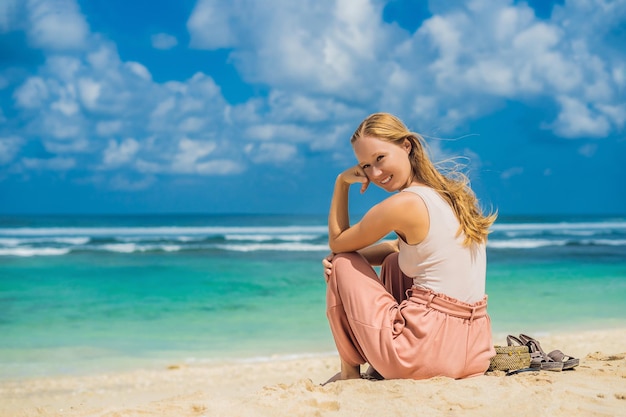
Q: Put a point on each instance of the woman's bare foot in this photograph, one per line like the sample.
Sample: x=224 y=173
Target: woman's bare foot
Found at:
x=336 y=377
x=347 y=372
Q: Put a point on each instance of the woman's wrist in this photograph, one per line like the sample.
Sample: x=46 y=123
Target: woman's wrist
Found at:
x=341 y=182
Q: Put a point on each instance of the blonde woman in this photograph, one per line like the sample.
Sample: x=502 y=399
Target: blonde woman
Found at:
x=426 y=315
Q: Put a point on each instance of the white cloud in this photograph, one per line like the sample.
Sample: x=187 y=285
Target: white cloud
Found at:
x=89 y=92
x=268 y=152
x=63 y=67
x=139 y=70
x=120 y=153
x=58 y=127
x=588 y=149
x=56 y=24
x=217 y=167
x=192 y=158
x=163 y=41
x=616 y=113
x=330 y=46
x=512 y=172
x=191 y=124
x=74 y=145
x=108 y=127
x=66 y=103
x=9 y=148
x=190 y=151
x=148 y=167
x=52 y=164
x=122 y=183
x=296 y=107
x=267 y=131
x=9 y=10
x=619 y=75
x=104 y=58
x=325 y=65
x=32 y=94
x=164 y=108
x=210 y=25
x=576 y=119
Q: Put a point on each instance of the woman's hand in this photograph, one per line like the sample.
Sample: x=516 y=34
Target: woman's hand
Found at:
x=355 y=174
x=328 y=266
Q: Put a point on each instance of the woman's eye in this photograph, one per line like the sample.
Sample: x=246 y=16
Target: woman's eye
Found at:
x=380 y=157
x=365 y=166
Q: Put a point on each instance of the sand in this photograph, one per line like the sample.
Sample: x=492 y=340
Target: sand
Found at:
x=291 y=387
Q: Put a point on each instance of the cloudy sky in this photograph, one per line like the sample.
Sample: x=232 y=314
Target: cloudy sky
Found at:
x=115 y=106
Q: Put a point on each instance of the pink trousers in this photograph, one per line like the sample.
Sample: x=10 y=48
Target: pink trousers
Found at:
x=400 y=330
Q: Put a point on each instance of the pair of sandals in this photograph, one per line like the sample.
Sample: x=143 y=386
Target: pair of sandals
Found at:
x=539 y=360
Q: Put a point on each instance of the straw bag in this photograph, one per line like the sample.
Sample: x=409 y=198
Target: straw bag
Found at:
x=510 y=358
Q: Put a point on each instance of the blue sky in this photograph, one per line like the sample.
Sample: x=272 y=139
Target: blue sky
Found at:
x=110 y=106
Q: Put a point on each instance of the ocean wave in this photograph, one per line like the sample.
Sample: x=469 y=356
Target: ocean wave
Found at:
x=539 y=243
x=604 y=242
x=287 y=247
x=554 y=232
x=161 y=231
x=132 y=248
x=128 y=240
x=524 y=243
x=560 y=226
x=25 y=251
x=266 y=237
x=184 y=234
x=120 y=247
x=15 y=241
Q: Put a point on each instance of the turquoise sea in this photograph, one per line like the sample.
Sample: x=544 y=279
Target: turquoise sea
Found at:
x=85 y=293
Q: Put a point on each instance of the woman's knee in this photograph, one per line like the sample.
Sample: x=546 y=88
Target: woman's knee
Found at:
x=342 y=258
x=351 y=268
x=350 y=262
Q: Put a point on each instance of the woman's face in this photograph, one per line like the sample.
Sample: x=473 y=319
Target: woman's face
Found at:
x=386 y=164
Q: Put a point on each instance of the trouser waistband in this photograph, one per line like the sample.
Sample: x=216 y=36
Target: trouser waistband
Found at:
x=453 y=308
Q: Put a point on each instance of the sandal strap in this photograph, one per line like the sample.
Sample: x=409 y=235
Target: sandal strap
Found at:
x=559 y=356
x=530 y=341
x=511 y=340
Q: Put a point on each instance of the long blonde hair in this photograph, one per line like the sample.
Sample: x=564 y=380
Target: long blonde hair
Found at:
x=453 y=186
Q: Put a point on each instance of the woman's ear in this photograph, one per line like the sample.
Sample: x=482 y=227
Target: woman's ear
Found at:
x=407 y=145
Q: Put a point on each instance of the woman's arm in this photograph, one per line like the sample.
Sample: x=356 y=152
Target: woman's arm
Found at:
x=338 y=216
x=376 y=254
x=400 y=213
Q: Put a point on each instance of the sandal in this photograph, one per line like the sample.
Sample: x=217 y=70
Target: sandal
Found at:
x=512 y=340
x=569 y=362
x=538 y=358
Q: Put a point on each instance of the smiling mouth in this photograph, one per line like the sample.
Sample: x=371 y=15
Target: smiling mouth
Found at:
x=386 y=180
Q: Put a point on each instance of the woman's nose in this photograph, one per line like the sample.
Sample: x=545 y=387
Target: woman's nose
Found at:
x=376 y=171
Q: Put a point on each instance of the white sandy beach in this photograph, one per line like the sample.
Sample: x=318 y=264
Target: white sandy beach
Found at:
x=292 y=388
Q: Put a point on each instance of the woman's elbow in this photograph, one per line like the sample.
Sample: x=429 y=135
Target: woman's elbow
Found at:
x=337 y=247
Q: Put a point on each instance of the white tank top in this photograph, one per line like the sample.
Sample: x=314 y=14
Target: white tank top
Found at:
x=440 y=262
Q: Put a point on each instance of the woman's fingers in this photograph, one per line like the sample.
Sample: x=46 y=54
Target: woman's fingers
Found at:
x=364 y=186
x=355 y=174
x=328 y=266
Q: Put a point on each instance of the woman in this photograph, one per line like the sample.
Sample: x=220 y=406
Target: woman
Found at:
x=426 y=314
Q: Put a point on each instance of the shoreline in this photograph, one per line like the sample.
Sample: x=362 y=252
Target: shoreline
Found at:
x=290 y=386
x=89 y=360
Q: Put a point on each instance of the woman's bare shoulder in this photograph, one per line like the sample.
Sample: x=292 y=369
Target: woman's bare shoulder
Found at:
x=411 y=202
x=411 y=216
